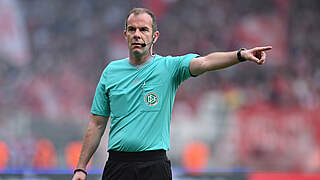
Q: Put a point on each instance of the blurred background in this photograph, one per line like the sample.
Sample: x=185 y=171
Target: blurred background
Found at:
x=246 y=118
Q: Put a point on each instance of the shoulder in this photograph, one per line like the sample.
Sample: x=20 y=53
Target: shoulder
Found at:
x=159 y=57
x=176 y=57
x=114 y=64
x=117 y=62
x=186 y=58
x=164 y=59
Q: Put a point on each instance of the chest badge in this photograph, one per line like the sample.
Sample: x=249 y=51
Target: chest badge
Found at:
x=151 y=99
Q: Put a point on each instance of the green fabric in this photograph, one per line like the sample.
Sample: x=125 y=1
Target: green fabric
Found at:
x=139 y=100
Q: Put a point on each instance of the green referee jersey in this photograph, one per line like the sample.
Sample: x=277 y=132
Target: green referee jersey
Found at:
x=139 y=99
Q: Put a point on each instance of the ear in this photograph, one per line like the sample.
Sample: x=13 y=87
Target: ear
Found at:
x=125 y=34
x=155 y=36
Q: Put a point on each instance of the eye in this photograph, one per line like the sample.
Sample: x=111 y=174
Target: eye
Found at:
x=131 y=29
x=144 y=29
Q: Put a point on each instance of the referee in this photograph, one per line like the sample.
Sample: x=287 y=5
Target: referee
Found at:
x=138 y=93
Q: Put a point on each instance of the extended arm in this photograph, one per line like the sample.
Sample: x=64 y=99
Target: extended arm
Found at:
x=219 y=60
x=91 y=141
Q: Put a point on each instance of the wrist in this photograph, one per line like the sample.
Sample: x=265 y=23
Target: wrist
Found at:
x=240 y=56
x=80 y=170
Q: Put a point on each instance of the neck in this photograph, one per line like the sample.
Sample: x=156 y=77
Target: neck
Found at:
x=140 y=59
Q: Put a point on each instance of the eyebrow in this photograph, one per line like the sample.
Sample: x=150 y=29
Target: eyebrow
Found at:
x=143 y=27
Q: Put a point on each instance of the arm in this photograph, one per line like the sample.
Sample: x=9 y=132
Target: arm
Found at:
x=96 y=128
x=220 y=60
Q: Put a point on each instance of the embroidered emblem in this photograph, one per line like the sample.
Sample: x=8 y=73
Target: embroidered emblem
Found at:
x=151 y=99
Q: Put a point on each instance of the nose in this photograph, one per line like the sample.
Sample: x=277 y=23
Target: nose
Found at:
x=137 y=34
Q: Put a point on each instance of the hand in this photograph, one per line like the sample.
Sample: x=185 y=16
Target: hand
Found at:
x=256 y=54
x=79 y=176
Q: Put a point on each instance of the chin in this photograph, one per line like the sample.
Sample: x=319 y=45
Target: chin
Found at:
x=138 y=53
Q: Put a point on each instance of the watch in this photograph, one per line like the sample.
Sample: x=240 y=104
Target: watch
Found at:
x=240 y=58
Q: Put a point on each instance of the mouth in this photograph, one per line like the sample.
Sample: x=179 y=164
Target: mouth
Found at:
x=137 y=44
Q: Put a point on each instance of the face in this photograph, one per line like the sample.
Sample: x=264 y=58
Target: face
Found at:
x=138 y=33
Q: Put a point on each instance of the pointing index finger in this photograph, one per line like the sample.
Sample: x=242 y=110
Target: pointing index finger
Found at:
x=265 y=48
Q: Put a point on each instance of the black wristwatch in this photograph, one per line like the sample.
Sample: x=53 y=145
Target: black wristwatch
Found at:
x=240 y=58
x=81 y=170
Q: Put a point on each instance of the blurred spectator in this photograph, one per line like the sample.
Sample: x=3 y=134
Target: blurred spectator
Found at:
x=4 y=155
x=196 y=156
x=45 y=156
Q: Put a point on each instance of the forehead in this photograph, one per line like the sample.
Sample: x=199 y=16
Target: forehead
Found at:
x=140 y=20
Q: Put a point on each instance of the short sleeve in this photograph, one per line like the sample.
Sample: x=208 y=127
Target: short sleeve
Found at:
x=180 y=67
x=100 y=104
